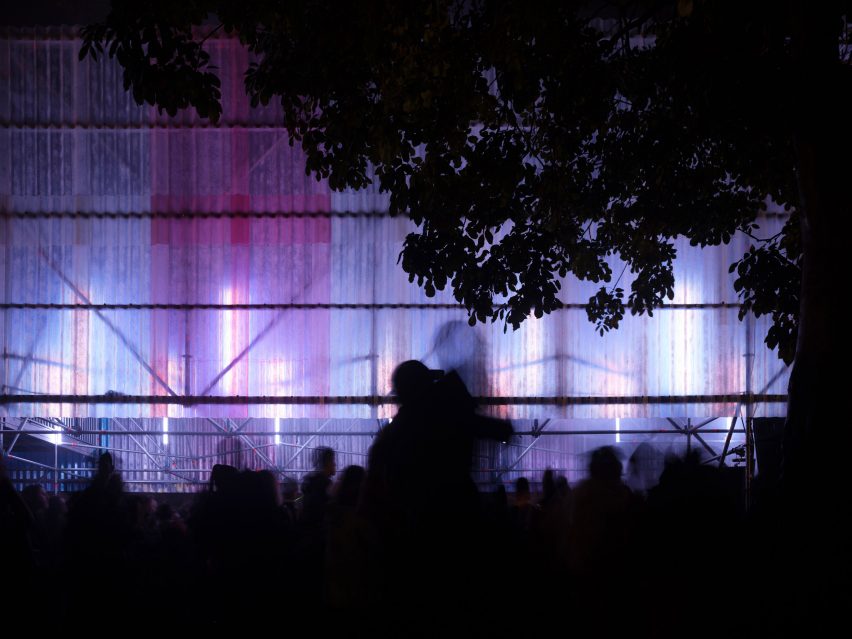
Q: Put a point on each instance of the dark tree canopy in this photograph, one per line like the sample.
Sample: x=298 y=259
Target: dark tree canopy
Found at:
x=528 y=140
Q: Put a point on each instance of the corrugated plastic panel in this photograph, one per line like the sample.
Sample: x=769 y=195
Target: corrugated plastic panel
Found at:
x=73 y=141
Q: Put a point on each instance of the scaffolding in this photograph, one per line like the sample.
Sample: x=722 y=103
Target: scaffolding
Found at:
x=101 y=187
x=175 y=455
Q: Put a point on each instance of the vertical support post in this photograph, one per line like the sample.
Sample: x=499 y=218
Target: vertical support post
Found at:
x=748 y=407
x=749 y=357
x=187 y=387
x=55 y=468
x=103 y=438
x=688 y=435
x=374 y=357
x=187 y=351
x=749 y=445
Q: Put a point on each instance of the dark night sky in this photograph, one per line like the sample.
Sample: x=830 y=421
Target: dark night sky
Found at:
x=52 y=12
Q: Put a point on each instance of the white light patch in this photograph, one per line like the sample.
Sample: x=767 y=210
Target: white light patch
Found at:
x=56 y=438
x=618 y=430
x=165 y=430
x=277 y=431
x=229 y=349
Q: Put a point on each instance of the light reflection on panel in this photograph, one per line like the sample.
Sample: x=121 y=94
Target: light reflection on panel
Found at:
x=341 y=352
x=119 y=165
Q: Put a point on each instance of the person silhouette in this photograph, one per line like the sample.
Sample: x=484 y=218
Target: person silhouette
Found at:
x=419 y=473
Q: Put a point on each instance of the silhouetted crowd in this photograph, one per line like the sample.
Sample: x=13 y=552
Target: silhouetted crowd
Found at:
x=407 y=546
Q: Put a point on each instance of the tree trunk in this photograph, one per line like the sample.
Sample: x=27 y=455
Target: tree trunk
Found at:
x=813 y=530
x=823 y=142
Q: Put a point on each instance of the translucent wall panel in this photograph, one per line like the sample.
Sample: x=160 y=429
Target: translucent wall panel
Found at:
x=339 y=312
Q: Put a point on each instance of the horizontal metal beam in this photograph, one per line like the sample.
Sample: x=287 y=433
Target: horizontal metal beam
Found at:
x=189 y=215
x=330 y=306
x=311 y=433
x=142 y=126
x=381 y=400
x=77 y=472
x=167 y=482
x=93 y=469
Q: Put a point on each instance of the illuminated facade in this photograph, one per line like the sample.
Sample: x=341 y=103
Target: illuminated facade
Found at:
x=150 y=264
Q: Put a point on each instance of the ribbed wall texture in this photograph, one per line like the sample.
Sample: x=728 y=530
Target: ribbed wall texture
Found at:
x=72 y=141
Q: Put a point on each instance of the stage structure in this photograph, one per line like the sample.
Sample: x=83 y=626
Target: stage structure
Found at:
x=183 y=294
